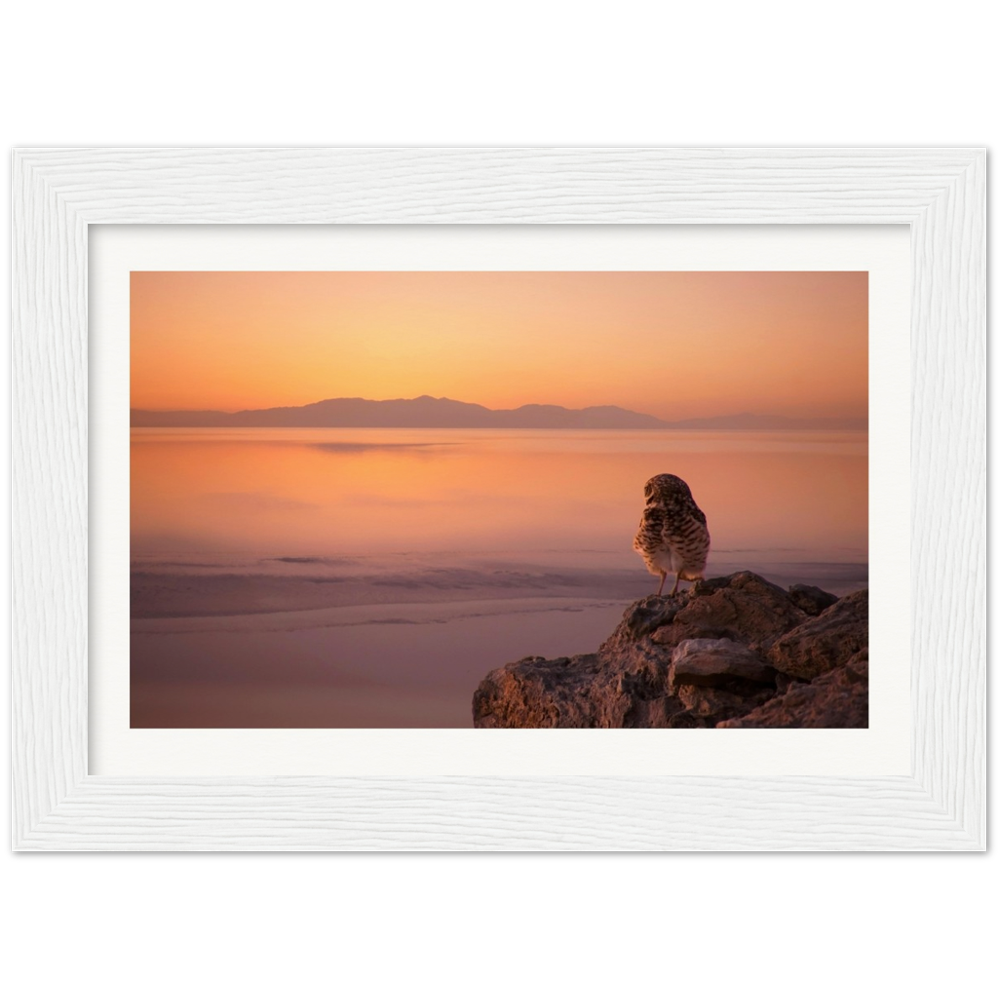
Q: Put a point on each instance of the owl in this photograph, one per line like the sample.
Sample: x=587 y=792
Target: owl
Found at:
x=673 y=533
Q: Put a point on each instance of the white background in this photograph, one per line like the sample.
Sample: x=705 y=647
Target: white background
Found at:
x=773 y=932
x=522 y=68
x=883 y=748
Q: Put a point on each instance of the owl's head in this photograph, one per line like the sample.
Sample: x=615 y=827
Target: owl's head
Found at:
x=665 y=485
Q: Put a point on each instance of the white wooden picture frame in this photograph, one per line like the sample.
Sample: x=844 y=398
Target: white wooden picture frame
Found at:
x=939 y=193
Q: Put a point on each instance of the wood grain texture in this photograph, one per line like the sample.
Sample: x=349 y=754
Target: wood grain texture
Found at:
x=58 y=193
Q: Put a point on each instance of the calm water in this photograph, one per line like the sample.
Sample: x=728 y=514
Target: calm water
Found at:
x=372 y=577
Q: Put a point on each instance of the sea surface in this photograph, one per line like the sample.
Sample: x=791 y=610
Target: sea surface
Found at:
x=372 y=577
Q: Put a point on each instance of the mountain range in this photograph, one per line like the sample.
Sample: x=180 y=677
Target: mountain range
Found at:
x=428 y=411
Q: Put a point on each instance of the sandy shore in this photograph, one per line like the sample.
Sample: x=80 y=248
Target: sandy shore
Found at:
x=413 y=665
x=312 y=642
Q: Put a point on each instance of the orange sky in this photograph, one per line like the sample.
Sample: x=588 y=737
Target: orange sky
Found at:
x=672 y=344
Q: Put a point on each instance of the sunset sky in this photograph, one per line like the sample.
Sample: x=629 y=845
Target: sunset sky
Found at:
x=671 y=344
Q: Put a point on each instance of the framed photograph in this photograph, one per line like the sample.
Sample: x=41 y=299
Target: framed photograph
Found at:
x=499 y=499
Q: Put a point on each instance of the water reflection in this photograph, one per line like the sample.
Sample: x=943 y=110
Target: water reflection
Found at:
x=309 y=493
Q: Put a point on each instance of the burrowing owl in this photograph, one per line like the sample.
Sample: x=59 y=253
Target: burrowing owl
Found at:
x=673 y=532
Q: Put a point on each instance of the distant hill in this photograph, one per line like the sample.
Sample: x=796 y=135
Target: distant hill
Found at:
x=428 y=411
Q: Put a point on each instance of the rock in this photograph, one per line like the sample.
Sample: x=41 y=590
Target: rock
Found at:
x=811 y=600
x=719 y=663
x=825 y=642
x=743 y=607
x=575 y=692
x=655 y=714
x=689 y=720
x=836 y=700
x=714 y=705
x=647 y=615
x=730 y=651
x=537 y=693
x=670 y=637
x=782 y=682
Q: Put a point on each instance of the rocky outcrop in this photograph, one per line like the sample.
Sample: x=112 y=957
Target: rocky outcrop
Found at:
x=837 y=699
x=826 y=642
x=735 y=651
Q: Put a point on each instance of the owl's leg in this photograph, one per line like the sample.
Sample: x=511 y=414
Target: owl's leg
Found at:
x=663 y=577
x=677 y=580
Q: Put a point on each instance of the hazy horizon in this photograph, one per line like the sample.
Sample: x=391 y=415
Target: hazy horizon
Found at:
x=472 y=402
x=431 y=411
